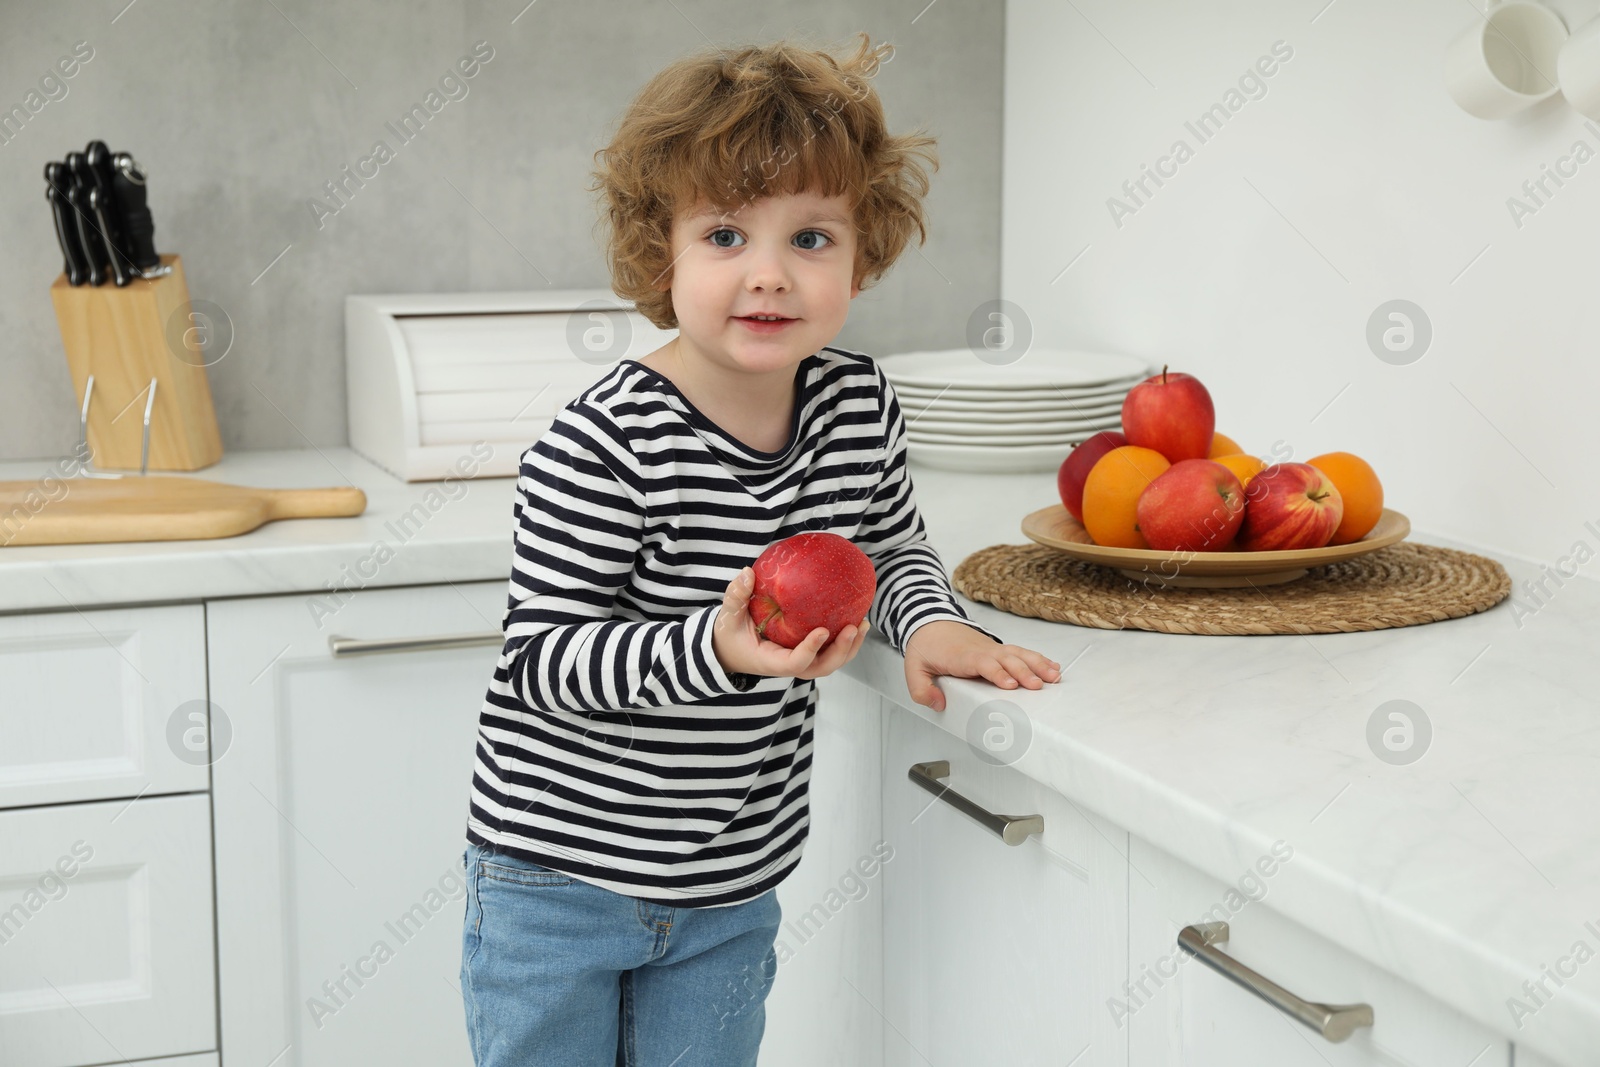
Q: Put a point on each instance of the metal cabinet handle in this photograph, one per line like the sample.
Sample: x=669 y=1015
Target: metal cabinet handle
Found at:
x=1333 y=1021
x=353 y=646
x=1012 y=829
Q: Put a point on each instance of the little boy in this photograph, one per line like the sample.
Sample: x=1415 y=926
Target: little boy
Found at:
x=640 y=781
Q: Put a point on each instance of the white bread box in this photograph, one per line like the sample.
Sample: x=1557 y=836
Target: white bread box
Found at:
x=430 y=375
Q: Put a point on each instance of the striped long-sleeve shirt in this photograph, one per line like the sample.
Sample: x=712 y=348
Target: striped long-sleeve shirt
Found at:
x=612 y=745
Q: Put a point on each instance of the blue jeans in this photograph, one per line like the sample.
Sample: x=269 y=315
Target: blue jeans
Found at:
x=555 y=970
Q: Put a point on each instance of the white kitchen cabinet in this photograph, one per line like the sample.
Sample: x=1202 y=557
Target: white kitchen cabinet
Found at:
x=106 y=948
x=1179 y=1011
x=830 y=947
x=104 y=703
x=341 y=808
x=995 y=953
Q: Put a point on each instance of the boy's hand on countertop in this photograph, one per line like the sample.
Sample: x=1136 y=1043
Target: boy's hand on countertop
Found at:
x=947 y=647
x=741 y=650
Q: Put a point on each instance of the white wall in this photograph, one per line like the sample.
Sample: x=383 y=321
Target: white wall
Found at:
x=1490 y=437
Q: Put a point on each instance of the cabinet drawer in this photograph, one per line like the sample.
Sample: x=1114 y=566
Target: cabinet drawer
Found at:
x=1179 y=1011
x=106 y=948
x=98 y=704
x=833 y=902
x=994 y=953
x=341 y=813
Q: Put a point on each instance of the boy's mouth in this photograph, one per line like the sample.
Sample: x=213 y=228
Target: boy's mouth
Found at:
x=765 y=325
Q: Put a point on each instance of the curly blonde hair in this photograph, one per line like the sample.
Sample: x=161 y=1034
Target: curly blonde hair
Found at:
x=733 y=126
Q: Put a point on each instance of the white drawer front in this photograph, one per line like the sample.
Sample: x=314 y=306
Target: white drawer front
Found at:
x=106 y=948
x=994 y=953
x=341 y=810
x=1178 y=1011
x=87 y=702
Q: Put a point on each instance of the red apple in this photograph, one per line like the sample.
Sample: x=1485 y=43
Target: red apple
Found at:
x=810 y=580
x=1195 y=505
x=1079 y=462
x=1289 y=505
x=1171 y=413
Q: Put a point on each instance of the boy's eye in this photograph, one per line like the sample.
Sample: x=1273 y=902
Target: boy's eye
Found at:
x=715 y=235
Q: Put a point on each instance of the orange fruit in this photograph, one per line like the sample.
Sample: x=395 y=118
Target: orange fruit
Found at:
x=1223 y=445
x=1111 y=495
x=1244 y=467
x=1358 y=484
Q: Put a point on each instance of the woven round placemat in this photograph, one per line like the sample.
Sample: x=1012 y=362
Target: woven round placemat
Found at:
x=1402 y=585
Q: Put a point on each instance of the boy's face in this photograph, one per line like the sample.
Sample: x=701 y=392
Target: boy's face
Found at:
x=789 y=255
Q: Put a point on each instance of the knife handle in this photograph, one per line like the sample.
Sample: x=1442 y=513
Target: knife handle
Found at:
x=77 y=270
x=97 y=162
x=139 y=228
x=95 y=270
x=97 y=204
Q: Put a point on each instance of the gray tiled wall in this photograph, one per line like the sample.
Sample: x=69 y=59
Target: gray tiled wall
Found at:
x=241 y=111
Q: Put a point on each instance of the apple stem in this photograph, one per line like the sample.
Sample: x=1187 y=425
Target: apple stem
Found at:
x=1163 y=374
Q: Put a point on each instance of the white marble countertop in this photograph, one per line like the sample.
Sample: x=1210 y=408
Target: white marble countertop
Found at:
x=1463 y=873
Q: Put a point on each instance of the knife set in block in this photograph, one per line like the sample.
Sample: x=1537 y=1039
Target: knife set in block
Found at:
x=139 y=372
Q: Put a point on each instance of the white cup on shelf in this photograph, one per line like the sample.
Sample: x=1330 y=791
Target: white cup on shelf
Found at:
x=1506 y=60
x=1578 y=69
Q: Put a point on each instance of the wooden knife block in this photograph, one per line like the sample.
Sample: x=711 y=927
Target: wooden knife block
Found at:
x=125 y=337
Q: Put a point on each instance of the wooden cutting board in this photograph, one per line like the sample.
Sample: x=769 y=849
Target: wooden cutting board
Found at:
x=156 y=508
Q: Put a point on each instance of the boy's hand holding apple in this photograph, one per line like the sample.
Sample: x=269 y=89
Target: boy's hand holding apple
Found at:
x=740 y=648
x=778 y=615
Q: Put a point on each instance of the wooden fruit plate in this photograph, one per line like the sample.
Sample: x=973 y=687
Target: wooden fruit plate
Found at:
x=1054 y=526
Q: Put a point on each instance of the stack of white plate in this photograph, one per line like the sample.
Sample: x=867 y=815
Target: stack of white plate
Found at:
x=967 y=415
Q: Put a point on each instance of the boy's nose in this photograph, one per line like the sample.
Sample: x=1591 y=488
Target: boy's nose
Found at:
x=767 y=272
